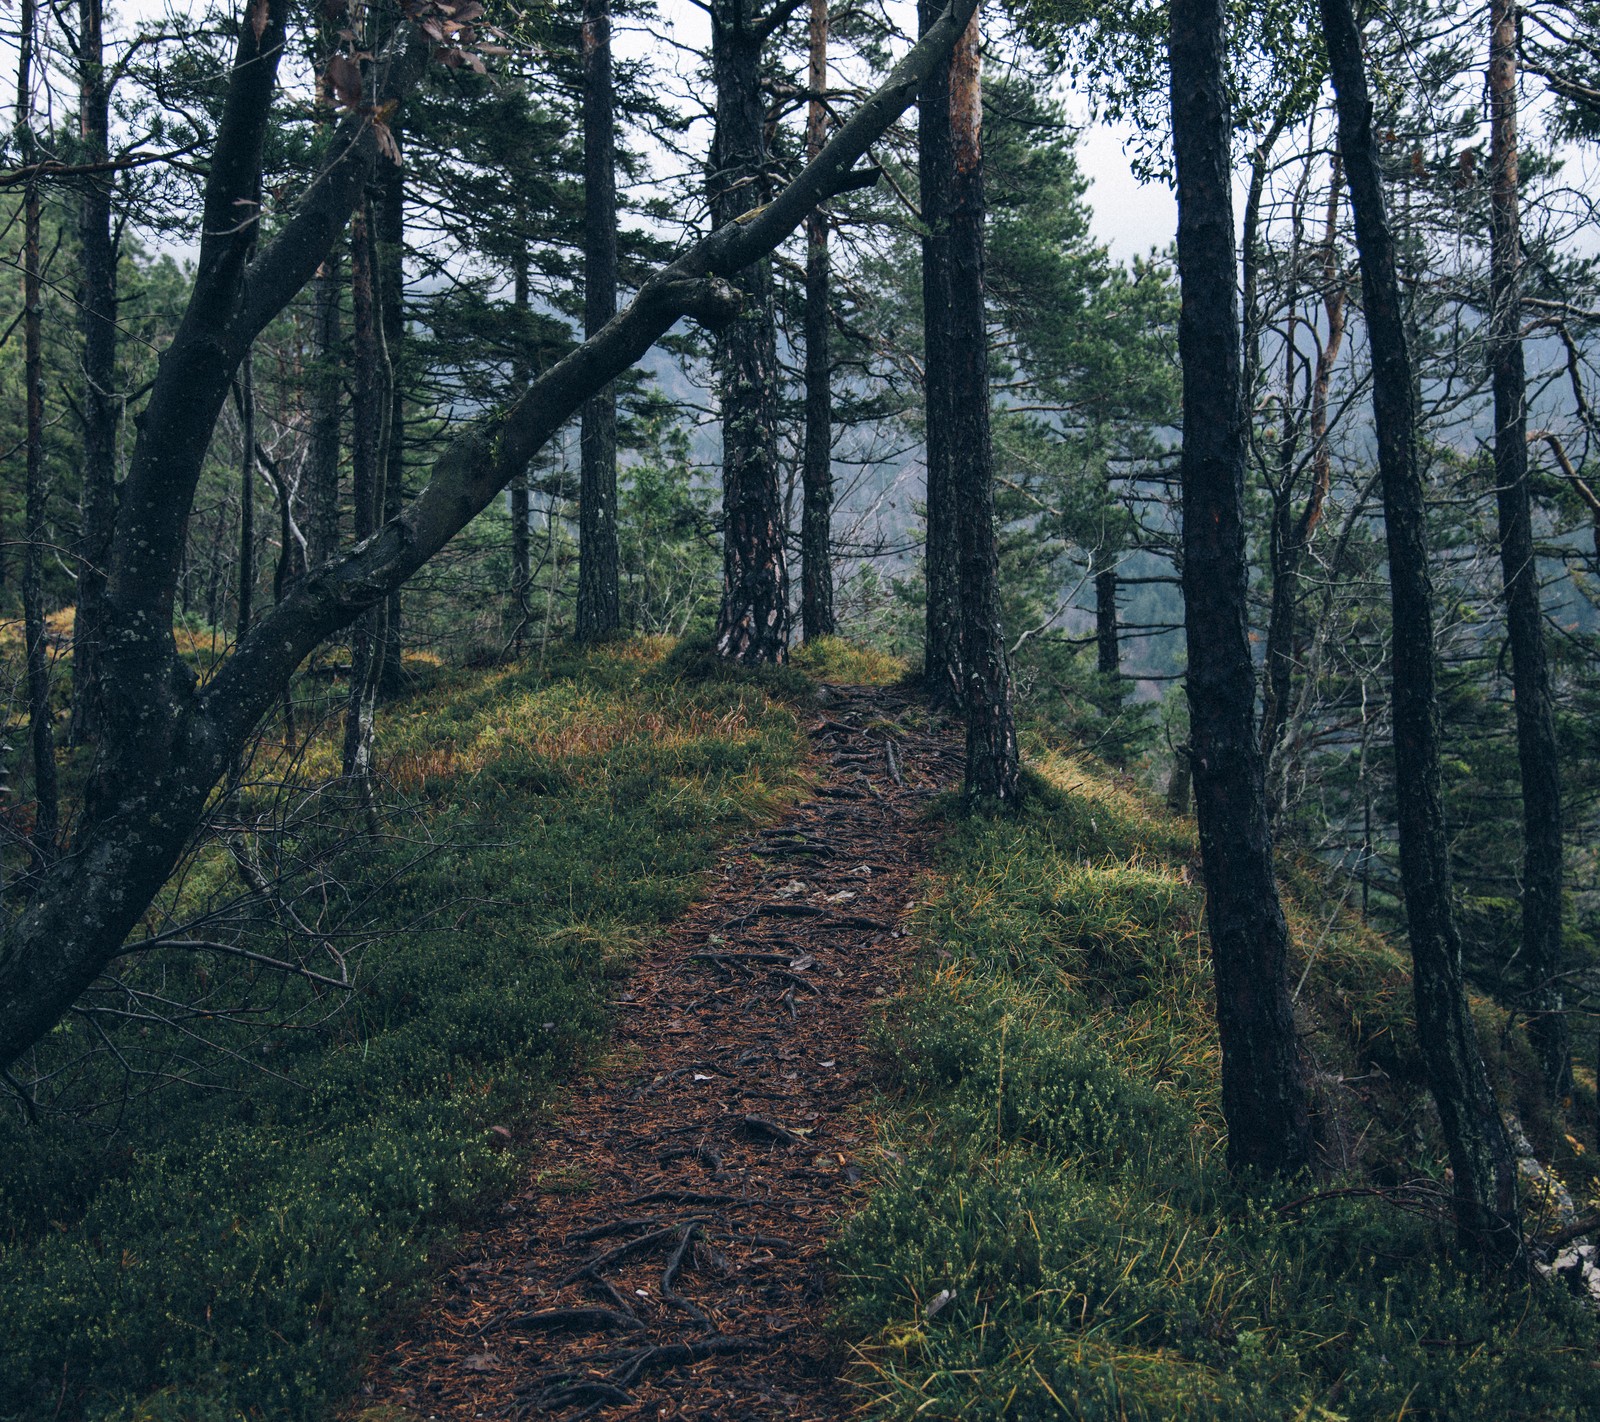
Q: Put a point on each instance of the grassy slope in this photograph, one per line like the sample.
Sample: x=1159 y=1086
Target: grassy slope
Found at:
x=1054 y=1234
x=1052 y=1124
x=227 y=1255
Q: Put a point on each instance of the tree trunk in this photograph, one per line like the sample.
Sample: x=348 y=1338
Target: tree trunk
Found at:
x=753 y=623
x=992 y=775
x=290 y=570
x=1480 y=1154
x=599 y=600
x=46 y=813
x=97 y=314
x=244 y=395
x=1537 y=754
x=941 y=653
x=1263 y=1087
x=322 y=454
x=367 y=403
x=1291 y=533
x=521 y=609
x=1108 y=651
x=816 y=557
x=390 y=218
x=167 y=740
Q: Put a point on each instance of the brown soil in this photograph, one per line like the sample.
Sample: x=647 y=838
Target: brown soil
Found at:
x=665 y=1256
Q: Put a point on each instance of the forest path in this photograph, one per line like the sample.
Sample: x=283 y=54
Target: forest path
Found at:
x=665 y=1255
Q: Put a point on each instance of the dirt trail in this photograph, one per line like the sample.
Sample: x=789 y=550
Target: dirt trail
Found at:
x=664 y=1258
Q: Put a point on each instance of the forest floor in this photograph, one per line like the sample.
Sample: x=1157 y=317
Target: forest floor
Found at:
x=664 y=1256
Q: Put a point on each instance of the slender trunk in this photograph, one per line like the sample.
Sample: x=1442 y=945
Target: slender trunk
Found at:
x=1537 y=754
x=244 y=394
x=941 y=654
x=521 y=609
x=1178 y=782
x=290 y=569
x=97 y=314
x=599 y=601
x=1107 y=639
x=366 y=451
x=753 y=623
x=993 y=771
x=322 y=454
x=1108 y=651
x=1263 y=1086
x=816 y=559
x=521 y=565
x=46 y=813
x=1291 y=533
x=1480 y=1154
x=390 y=218
x=1250 y=257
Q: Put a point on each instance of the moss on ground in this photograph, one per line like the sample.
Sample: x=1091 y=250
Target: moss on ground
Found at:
x=226 y=1251
x=1054 y=1234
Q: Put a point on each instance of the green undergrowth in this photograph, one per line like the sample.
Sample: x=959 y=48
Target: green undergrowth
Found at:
x=1054 y=1233
x=223 y=1250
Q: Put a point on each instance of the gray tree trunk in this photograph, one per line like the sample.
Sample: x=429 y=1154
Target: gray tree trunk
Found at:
x=599 y=598
x=1480 y=1153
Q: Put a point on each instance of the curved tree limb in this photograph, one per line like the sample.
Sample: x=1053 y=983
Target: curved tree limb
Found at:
x=169 y=742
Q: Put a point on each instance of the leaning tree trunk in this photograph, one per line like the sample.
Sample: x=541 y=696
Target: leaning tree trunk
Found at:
x=97 y=315
x=1537 y=754
x=167 y=740
x=753 y=623
x=1263 y=1086
x=1480 y=1154
x=992 y=775
x=599 y=599
x=941 y=649
x=816 y=475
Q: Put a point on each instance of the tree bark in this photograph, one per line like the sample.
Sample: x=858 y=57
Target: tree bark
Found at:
x=599 y=598
x=245 y=399
x=1480 y=1154
x=1537 y=753
x=1291 y=532
x=46 y=822
x=993 y=771
x=169 y=740
x=390 y=220
x=1108 y=651
x=97 y=314
x=753 y=623
x=322 y=454
x=1263 y=1086
x=521 y=551
x=941 y=652
x=367 y=401
x=816 y=518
